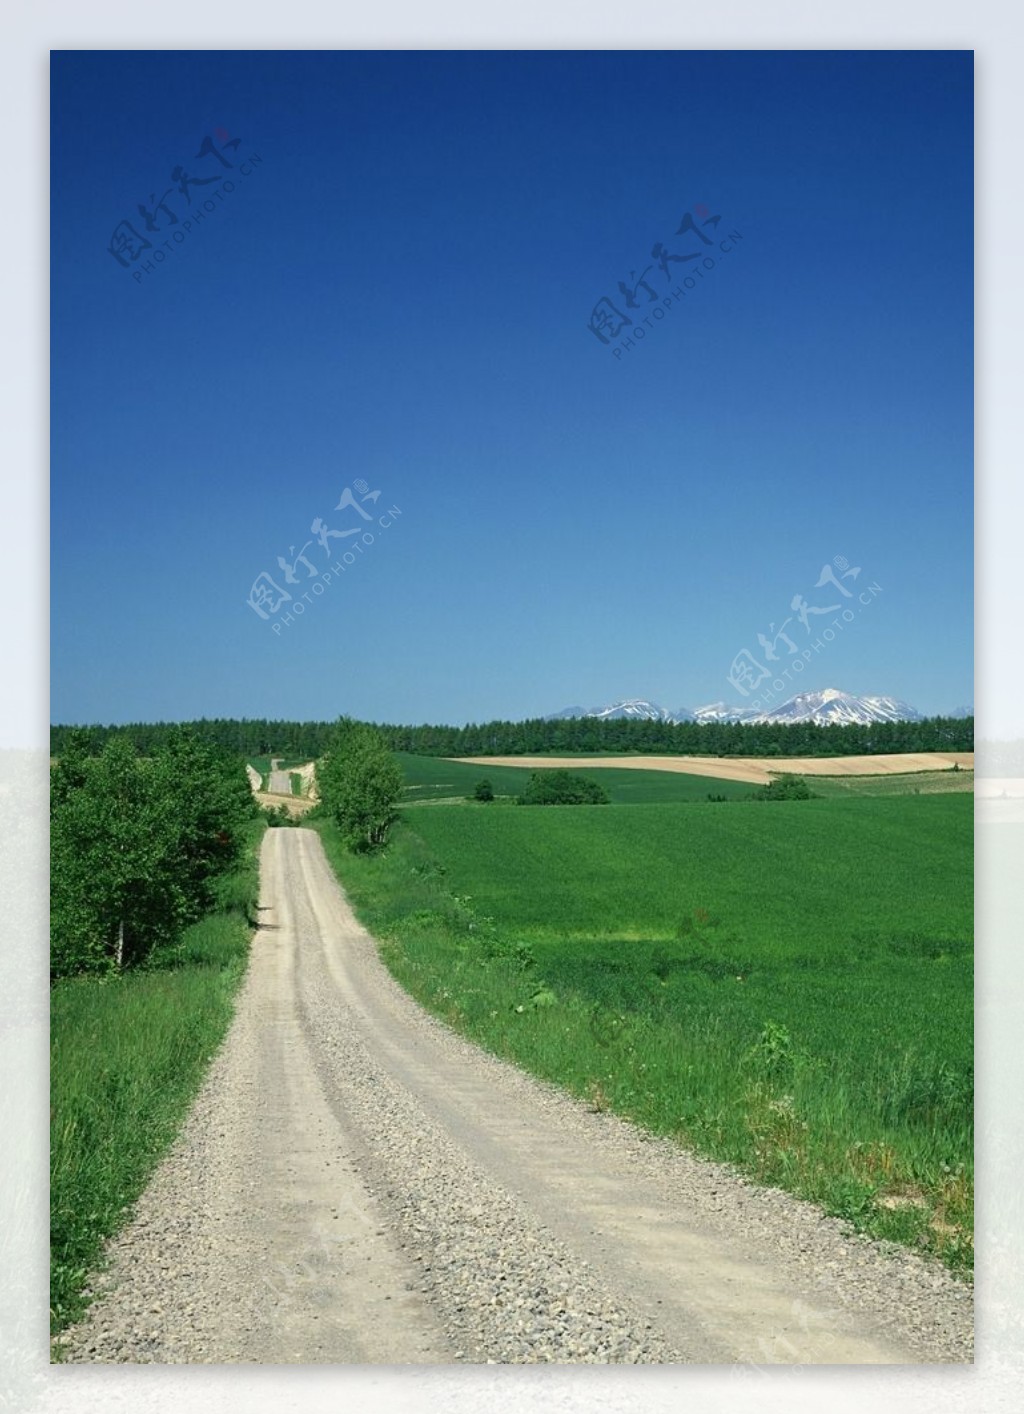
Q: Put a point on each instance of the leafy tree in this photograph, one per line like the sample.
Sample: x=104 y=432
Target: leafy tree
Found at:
x=360 y=783
x=136 y=845
x=113 y=890
x=211 y=802
x=562 y=788
x=483 y=790
x=785 y=787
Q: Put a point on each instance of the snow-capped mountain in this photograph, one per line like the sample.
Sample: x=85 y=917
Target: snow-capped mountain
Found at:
x=832 y=706
x=827 y=708
x=722 y=712
x=633 y=708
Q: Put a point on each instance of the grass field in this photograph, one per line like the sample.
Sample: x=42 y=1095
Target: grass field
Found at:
x=432 y=778
x=127 y=1056
x=785 y=986
x=944 y=782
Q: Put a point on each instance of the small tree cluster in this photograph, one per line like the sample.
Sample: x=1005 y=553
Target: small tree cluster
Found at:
x=136 y=844
x=360 y=782
x=562 y=788
x=786 y=787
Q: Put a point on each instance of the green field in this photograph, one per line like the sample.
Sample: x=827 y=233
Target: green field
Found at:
x=786 y=986
x=942 y=782
x=432 y=778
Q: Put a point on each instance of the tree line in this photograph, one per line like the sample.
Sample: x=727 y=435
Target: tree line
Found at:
x=311 y=740
x=137 y=844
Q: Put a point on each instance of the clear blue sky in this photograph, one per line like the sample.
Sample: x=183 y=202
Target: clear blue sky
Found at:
x=399 y=292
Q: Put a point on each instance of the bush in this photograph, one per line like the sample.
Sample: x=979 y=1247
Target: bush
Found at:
x=483 y=791
x=786 y=788
x=562 y=788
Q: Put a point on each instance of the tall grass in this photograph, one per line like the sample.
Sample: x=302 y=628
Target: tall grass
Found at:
x=787 y=987
x=127 y=1057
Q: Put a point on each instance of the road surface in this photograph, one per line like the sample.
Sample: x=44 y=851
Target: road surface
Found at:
x=357 y=1184
x=278 y=782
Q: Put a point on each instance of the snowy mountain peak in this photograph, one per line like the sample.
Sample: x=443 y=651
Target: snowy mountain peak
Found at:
x=834 y=707
x=637 y=708
x=828 y=707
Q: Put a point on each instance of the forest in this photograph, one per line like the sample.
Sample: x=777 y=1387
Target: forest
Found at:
x=251 y=737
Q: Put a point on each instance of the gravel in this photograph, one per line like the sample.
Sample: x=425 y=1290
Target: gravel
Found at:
x=357 y=1183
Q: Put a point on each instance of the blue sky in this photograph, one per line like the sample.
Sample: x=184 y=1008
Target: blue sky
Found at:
x=398 y=293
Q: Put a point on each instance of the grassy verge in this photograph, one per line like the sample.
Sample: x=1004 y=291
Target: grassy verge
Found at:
x=816 y=1035
x=127 y=1057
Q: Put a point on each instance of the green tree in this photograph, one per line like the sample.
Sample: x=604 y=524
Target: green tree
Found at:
x=113 y=891
x=136 y=844
x=785 y=787
x=562 y=788
x=483 y=790
x=360 y=783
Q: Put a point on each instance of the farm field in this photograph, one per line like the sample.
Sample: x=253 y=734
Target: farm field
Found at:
x=912 y=783
x=758 y=770
x=785 y=986
x=432 y=778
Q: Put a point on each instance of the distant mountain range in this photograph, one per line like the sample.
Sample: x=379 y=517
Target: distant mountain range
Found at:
x=826 y=708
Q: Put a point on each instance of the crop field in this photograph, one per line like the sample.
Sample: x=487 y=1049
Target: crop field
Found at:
x=787 y=986
x=814 y=874
x=758 y=770
x=911 y=783
x=432 y=778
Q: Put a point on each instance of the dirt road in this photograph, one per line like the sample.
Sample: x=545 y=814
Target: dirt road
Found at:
x=278 y=782
x=357 y=1184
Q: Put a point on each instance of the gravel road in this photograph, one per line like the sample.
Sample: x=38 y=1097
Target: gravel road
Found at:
x=355 y=1183
x=279 y=782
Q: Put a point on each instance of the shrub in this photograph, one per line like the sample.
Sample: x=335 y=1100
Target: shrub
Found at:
x=483 y=791
x=786 y=787
x=562 y=788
